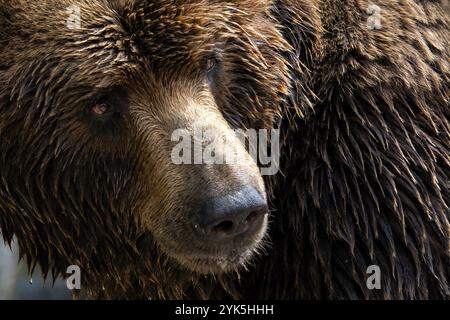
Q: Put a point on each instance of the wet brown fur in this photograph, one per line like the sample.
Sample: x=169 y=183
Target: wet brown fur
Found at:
x=365 y=161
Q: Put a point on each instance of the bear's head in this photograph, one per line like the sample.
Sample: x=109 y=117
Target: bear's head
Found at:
x=91 y=94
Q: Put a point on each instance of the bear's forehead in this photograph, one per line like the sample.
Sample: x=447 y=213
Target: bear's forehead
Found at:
x=167 y=29
x=129 y=40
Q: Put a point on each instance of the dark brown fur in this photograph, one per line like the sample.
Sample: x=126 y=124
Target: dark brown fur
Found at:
x=365 y=158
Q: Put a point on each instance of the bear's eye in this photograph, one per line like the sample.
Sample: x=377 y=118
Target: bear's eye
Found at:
x=100 y=108
x=108 y=103
x=211 y=64
x=106 y=111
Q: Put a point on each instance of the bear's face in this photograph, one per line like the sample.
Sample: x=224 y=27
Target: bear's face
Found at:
x=88 y=111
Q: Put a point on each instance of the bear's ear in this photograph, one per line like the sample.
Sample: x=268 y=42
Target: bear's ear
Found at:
x=301 y=27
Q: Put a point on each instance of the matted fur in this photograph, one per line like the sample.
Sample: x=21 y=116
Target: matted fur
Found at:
x=365 y=161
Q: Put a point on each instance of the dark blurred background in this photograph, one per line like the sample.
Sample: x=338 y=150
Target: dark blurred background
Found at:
x=15 y=283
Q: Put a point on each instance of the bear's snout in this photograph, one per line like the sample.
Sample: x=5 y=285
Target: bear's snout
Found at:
x=238 y=217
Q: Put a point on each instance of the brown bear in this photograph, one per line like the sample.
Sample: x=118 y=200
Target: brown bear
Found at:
x=92 y=91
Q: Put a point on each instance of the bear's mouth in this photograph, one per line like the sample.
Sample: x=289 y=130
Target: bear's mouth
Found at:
x=229 y=257
x=226 y=263
x=228 y=247
x=234 y=258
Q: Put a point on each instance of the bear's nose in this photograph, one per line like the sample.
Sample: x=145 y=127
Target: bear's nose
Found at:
x=238 y=215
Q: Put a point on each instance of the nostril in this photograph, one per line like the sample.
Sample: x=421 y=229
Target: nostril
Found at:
x=252 y=217
x=236 y=226
x=240 y=214
x=224 y=226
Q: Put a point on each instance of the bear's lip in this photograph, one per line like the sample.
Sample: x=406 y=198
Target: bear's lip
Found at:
x=232 y=260
x=232 y=257
x=219 y=264
x=226 y=260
